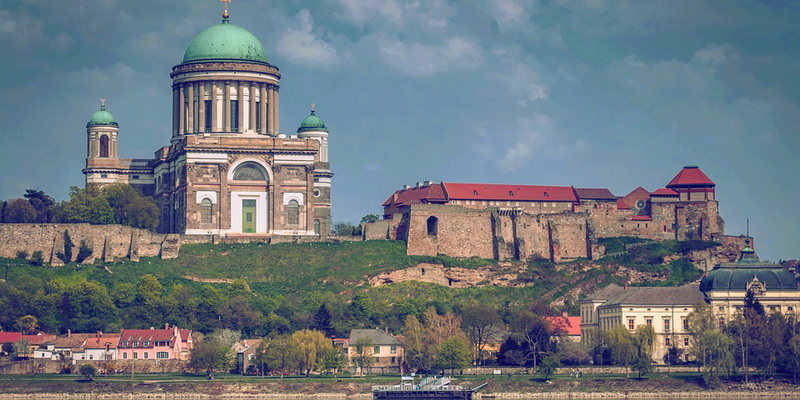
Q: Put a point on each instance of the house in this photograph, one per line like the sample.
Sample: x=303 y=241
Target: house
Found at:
x=7 y=340
x=37 y=341
x=69 y=346
x=246 y=353
x=169 y=343
x=101 y=346
x=566 y=327
x=386 y=350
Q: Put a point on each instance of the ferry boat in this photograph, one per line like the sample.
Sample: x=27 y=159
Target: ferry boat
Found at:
x=430 y=387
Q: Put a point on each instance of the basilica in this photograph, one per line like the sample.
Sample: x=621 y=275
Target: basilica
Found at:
x=228 y=169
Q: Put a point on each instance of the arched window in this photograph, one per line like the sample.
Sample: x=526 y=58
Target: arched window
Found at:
x=316 y=227
x=249 y=171
x=205 y=211
x=433 y=225
x=293 y=212
x=103 y=146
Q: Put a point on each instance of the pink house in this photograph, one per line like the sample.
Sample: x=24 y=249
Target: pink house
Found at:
x=169 y=343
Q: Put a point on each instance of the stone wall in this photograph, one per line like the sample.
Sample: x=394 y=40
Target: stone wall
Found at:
x=460 y=232
x=108 y=242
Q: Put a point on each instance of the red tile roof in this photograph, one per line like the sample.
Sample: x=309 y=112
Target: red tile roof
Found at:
x=146 y=335
x=631 y=198
x=10 y=337
x=484 y=191
x=570 y=326
x=690 y=175
x=642 y=218
x=595 y=194
x=621 y=205
x=664 y=192
x=40 y=339
x=427 y=194
x=100 y=342
x=185 y=333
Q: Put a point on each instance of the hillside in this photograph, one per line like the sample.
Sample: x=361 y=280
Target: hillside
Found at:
x=291 y=281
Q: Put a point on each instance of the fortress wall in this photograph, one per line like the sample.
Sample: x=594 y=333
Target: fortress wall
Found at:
x=533 y=236
x=106 y=241
x=378 y=230
x=460 y=233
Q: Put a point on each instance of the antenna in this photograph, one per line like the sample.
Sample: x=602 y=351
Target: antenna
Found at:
x=748 y=227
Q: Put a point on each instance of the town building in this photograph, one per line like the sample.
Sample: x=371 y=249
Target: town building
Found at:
x=169 y=343
x=228 y=169
x=550 y=222
x=565 y=326
x=385 y=349
x=246 y=354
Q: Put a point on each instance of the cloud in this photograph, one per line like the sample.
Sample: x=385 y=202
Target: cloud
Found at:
x=361 y=12
x=714 y=55
x=508 y=13
x=301 y=46
x=525 y=81
x=420 y=59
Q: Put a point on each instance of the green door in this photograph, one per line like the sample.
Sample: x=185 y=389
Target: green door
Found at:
x=248 y=216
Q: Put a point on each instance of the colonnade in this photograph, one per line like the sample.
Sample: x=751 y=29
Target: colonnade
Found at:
x=189 y=110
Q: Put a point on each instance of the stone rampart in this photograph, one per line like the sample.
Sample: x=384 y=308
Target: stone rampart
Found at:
x=108 y=242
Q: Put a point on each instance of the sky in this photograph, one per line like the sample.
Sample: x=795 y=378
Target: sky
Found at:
x=592 y=93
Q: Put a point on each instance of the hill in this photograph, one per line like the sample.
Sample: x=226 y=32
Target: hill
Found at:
x=260 y=287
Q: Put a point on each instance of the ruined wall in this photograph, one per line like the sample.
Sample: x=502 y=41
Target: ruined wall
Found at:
x=107 y=242
x=378 y=230
x=460 y=232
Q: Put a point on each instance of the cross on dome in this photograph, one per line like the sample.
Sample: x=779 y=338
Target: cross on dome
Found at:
x=225 y=13
x=102 y=103
x=312 y=107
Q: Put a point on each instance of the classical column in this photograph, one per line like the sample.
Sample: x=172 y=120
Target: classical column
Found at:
x=190 y=113
x=277 y=110
x=214 y=113
x=226 y=105
x=271 y=110
x=263 y=111
x=201 y=107
x=175 y=100
x=240 y=109
x=251 y=123
x=181 y=114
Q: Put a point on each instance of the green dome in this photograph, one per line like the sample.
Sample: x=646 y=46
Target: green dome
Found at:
x=225 y=42
x=736 y=278
x=102 y=117
x=312 y=123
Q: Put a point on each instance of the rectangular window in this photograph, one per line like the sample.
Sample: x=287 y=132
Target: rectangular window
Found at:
x=209 y=114
x=258 y=116
x=162 y=355
x=686 y=341
x=631 y=325
x=648 y=321
x=125 y=356
x=234 y=115
x=135 y=355
x=135 y=177
x=667 y=325
x=146 y=354
x=376 y=350
x=393 y=349
x=666 y=341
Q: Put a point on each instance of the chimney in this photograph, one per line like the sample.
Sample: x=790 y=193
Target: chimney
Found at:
x=69 y=332
x=426 y=183
x=406 y=187
x=564 y=314
x=152 y=329
x=166 y=326
x=419 y=184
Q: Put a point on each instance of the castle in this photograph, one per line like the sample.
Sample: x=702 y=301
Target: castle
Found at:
x=228 y=169
x=559 y=223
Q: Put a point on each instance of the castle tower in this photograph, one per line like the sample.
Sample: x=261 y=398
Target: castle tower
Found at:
x=225 y=85
x=313 y=127
x=101 y=147
x=696 y=213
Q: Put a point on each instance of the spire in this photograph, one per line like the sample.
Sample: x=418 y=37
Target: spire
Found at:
x=312 y=108
x=102 y=104
x=225 y=15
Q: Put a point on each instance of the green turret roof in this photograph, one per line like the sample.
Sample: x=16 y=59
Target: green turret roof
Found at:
x=225 y=42
x=737 y=276
x=312 y=123
x=102 y=117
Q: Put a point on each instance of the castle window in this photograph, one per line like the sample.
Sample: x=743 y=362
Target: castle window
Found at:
x=103 y=146
x=249 y=171
x=234 y=115
x=316 y=227
x=293 y=213
x=433 y=226
x=205 y=211
x=135 y=177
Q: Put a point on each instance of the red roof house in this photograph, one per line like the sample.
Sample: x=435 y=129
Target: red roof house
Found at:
x=567 y=326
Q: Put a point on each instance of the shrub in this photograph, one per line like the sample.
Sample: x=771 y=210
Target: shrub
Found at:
x=66 y=256
x=22 y=255
x=88 y=371
x=37 y=258
x=84 y=252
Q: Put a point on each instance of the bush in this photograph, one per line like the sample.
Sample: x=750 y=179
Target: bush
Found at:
x=22 y=255
x=84 y=252
x=66 y=256
x=88 y=371
x=37 y=258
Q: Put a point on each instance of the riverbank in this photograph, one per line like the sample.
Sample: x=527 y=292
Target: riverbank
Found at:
x=513 y=387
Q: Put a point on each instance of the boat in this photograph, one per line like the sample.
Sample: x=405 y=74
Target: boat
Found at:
x=430 y=387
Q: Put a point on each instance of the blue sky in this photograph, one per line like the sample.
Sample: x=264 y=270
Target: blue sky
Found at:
x=589 y=93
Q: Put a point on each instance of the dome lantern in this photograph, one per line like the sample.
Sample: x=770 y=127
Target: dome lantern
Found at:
x=102 y=117
x=312 y=123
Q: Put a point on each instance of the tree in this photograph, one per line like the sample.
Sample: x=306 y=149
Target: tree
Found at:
x=572 y=353
x=278 y=354
x=27 y=324
x=88 y=371
x=417 y=354
x=719 y=350
x=22 y=348
x=85 y=205
x=333 y=360
x=19 y=211
x=700 y=321
x=621 y=345
x=481 y=323
x=644 y=338
x=42 y=203
x=453 y=354
x=311 y=345
x=214 y=352
x=363 y=354
x=322 y=320
x=534 y=332
x=369 y=218
x=130 y=207
x=343 y=229
x=550 y=363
